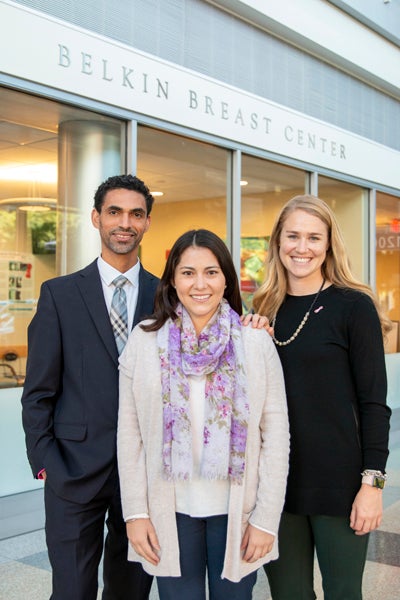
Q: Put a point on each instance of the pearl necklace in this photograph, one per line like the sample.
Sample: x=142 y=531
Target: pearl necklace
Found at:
x=303 y=322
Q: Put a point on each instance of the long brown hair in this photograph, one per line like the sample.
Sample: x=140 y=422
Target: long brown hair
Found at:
x=166 y=298
x=335 y=269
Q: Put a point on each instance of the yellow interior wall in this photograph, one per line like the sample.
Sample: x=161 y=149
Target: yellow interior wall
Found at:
x=169 y=221
x=388 y=290
x=259 y=211
x=388 y=282
x=348 y=204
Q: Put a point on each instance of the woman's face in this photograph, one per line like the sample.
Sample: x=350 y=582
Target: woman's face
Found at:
x=200 y=284
x=303 y=245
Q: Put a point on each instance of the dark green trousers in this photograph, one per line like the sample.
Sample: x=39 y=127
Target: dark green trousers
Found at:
x=341 y=556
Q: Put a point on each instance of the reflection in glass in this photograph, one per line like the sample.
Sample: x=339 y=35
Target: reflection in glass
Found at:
x=268 y=186
x=37 y=186
x=388 y=262
x=192 y=177
x=350 y=205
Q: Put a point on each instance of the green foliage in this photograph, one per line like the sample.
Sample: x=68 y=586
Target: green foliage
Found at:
x=7 y=229
x=43 y=226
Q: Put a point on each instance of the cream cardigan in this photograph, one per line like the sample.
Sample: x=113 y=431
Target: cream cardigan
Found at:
x=140 y=433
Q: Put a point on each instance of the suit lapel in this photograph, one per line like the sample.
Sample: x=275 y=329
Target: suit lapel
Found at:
x=145 y=301
x=89 y=284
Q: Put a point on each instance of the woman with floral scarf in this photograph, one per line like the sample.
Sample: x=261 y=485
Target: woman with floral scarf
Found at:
x=203 y=435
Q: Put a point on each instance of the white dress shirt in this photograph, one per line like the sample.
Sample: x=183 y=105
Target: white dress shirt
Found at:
x=108 y=274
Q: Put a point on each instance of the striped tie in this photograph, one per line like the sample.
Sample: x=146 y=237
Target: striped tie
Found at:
x=119 y=313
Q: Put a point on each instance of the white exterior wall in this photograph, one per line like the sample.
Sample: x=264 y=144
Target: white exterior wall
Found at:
x=326 y=31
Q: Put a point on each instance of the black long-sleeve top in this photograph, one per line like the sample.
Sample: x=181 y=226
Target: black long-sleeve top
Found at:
x=336 y=388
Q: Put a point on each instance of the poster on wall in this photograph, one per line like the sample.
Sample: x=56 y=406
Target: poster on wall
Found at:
x=16 y=289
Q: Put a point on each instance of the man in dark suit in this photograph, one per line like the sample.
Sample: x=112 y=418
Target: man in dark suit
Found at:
x=70 y=401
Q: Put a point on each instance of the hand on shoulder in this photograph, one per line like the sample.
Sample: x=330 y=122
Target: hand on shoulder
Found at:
x=257 y=322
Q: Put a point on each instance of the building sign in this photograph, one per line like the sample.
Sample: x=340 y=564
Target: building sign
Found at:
x=69 y=58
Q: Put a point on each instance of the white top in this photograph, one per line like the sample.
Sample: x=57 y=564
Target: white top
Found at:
x=199 y=497
x=108 y=274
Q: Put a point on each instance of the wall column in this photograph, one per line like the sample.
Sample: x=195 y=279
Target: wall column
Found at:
x=88 y=153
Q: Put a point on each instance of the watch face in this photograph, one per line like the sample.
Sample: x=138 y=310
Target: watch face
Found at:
x=379 y=482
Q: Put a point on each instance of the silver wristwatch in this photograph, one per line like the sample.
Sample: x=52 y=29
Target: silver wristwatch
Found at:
x=375 y=478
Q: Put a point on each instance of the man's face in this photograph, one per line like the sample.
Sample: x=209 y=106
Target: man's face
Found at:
x=122 y=222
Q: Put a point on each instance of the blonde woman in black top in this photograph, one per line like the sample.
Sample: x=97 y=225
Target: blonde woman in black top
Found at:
x=328 y=330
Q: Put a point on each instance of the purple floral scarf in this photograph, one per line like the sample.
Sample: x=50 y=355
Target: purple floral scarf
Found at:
x=218 y=354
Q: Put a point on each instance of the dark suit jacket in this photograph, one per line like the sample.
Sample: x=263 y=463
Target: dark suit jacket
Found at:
x=70 y=397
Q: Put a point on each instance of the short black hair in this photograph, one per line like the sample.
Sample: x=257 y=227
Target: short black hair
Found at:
x=127 y=182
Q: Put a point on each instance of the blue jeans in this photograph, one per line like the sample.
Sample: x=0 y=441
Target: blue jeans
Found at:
x=202 y=544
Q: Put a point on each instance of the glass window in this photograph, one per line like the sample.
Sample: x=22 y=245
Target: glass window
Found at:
x=265 y=187
x=350 y=205
x=388 y=262
x=52 y=158
x=189 y=181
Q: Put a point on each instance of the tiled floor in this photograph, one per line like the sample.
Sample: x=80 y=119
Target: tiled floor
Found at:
x=25 y=570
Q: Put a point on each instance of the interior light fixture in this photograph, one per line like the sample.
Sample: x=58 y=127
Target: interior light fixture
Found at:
x=157 y=194
x=243 y=182
x=29 y=204
x=34 y=208
x=38 y=173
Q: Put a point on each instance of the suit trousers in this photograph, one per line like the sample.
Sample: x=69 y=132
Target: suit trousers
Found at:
x=341 y=557
x=202 y=544
x=75 y=537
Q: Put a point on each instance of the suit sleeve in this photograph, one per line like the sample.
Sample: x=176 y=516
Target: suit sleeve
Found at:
x=43 y=380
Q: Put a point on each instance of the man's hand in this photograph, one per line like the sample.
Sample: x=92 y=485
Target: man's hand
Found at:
x=42 y=475
x=143 y=538
x=256 y=544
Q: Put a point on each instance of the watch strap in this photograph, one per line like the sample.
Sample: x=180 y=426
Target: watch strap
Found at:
x=374 y=478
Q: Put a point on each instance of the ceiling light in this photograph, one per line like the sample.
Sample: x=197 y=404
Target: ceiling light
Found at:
x=34 y=208
x=29 y=203
x=243 y=182
x=157 y=193
x=39 y=173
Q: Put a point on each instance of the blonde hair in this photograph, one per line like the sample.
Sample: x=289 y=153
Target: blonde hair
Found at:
x=336 y=267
